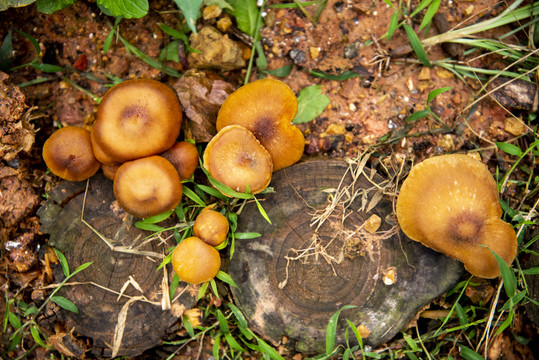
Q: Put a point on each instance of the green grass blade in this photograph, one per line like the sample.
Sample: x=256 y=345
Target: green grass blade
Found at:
x=63 y=262
x=423 y=4
x=224 y=277
x=436 y=92
x=469 y=354
x=149 y=227
x=37 y=338
x=65 y=303
x=332 y=329
x=393 y=25
x=202 y=290
x=508 y=276
x=509 y=148
x=193 y=196
x=417 y=46
x=431 y=11
x=417 y=115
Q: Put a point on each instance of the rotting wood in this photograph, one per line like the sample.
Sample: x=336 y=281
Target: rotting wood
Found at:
x=98 y=291
x=316 y=288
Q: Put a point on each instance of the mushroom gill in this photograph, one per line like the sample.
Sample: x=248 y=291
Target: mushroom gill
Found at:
x=266 y=107
x=450 y=204
x=236 y=158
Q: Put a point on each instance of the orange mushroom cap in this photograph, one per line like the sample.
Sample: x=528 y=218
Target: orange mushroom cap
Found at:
x=195 y=261
x=184 y=156
x=137 y=118
x=68 y=154
x=147 y=186
x=211 y=226
x=450 y=204
x=266 y=107
x=235 y=158
x=99 y=153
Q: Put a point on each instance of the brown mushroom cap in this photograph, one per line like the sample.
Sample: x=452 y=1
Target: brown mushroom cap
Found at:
x=137 y=118
x=147 y=186
x=211 y=226
x=266 y=107
x=68 y=154
x=195 y=261
x=184 y=156
x=99 y=153
x=109 y=170
x=450 y=204
x=235 y=158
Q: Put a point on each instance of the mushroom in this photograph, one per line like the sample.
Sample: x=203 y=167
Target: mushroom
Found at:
x=99 y=153
x=109 y=170
x=147 y=186
x=211 y=226
x=137 y=118
x=68 y=154
x=266 y=107
x=450 y=204
x=236 y=158
x=184 y=156
x=195 y=261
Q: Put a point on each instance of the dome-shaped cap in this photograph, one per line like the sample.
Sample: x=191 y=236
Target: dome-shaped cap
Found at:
x=450 y=204
x=137 y=118
x=68 y=154
x=147 y=186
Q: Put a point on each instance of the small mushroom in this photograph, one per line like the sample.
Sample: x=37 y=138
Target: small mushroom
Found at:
x=184 y=156
x=236 y=158
x=450 y=204
x=211 y=226
x=147 y=186
x=266 y=107
x=195 y=261
x=137 y=118
x=68 y=154
x=109 y=170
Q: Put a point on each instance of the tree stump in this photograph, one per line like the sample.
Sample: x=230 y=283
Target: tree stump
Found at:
x=99 y=304
x=292 y=279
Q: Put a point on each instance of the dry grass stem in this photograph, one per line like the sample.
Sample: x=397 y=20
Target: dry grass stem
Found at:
x=353 y=241
x=120 y=326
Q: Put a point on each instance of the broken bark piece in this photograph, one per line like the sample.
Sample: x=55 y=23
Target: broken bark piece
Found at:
x=97 y=293
x=16 y=132
x=515 y=93
x=454 y=50
x=201 y=97
x=292 y=279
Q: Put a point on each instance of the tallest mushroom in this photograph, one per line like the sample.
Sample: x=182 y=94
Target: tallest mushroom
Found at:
x=266 y=108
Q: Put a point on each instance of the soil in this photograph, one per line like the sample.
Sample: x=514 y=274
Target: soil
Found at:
x=366 y=112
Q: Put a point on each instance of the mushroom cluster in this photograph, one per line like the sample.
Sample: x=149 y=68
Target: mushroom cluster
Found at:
x=450 y=204
x=196 y=260
x=255 y=136
x=134 y=142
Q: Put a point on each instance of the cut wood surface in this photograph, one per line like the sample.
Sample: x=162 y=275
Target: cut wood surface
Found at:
x=99 y=303
x=292 y=279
